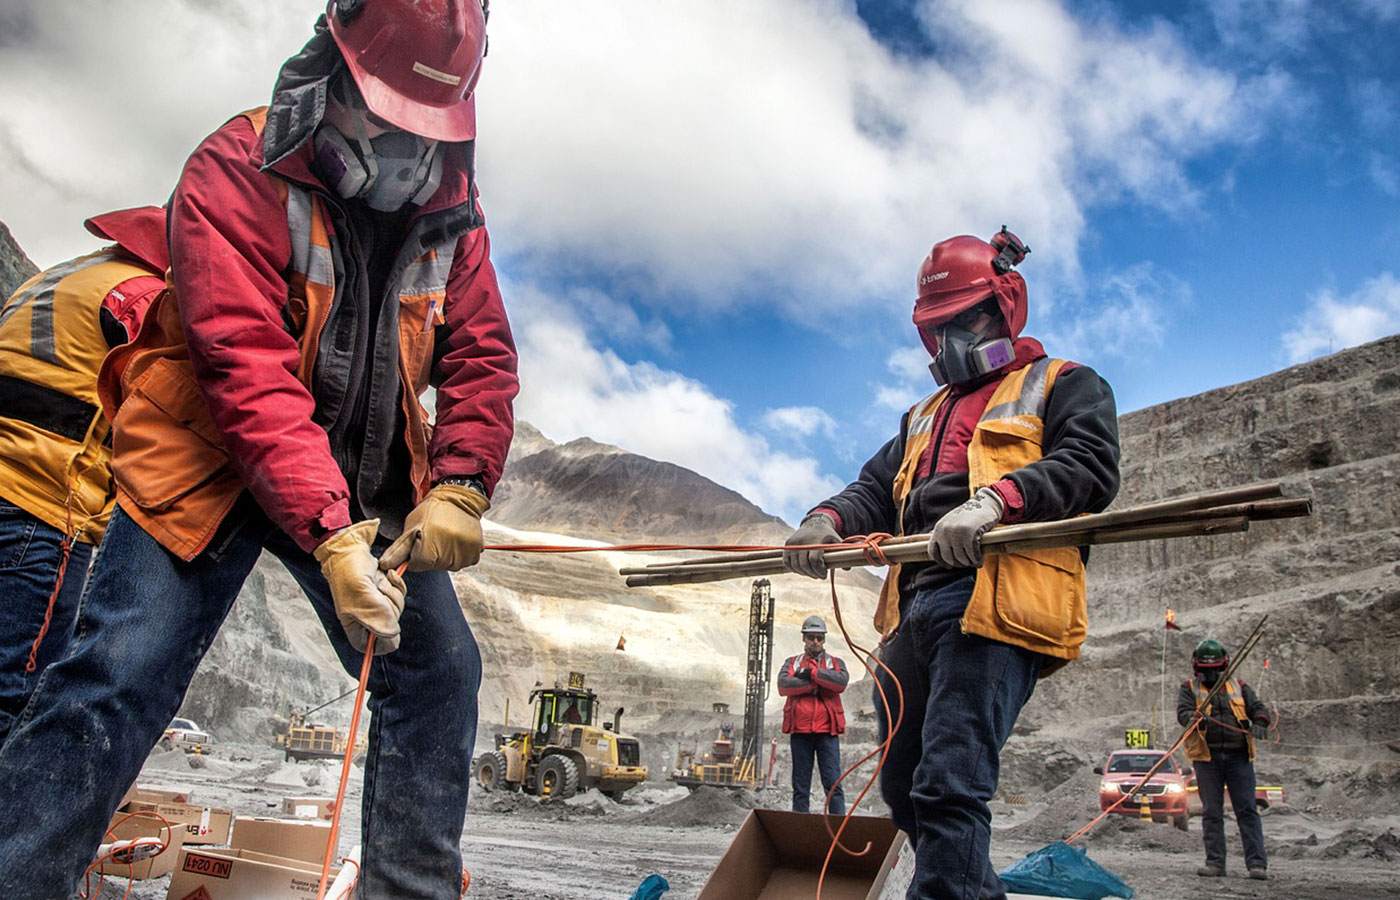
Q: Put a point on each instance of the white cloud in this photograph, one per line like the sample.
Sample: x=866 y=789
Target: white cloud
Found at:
x=1384 y=174
x=1126 y=312
x=736 y=151
x=801 y=421
x=1335 y=322
x=909 y=365
x=572 y=388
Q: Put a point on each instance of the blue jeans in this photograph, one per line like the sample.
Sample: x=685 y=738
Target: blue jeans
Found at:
x=146 y=621
x=29 y=556
x=827 y=749
x=1229 y=770
x=962 y=694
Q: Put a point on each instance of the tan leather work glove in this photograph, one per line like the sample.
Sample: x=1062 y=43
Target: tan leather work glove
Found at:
x=366 y=599
x=442 y=532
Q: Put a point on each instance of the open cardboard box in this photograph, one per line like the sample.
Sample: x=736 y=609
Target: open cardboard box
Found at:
x=303 y=839
x=204 y=873
x=777 y=855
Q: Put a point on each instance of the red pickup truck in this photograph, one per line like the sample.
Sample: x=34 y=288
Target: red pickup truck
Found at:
x=1162 y=797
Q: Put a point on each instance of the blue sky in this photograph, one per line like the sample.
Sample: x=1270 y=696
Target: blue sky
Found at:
x=708 y=217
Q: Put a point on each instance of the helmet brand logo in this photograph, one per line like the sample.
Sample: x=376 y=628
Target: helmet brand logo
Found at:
x=437 y=75
x=936 y=276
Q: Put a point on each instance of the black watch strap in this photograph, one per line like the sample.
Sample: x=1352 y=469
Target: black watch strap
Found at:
x=471 y=481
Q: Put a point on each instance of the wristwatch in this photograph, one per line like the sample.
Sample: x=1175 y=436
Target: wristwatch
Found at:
x=472 y=481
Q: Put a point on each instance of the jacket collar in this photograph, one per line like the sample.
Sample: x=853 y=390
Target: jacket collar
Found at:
x=139 y=232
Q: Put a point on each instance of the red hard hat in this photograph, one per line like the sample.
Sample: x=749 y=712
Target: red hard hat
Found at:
x=961 y=272
x=415 y=62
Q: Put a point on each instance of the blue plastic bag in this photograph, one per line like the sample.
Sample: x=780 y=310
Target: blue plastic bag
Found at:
x=651 y=888
x=1060 y=870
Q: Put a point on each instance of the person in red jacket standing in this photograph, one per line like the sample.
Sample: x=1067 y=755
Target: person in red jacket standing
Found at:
x=812 y=681
x=329 y=262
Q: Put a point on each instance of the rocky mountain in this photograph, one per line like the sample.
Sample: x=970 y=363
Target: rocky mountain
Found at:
x=585 y=488
x=15 y=267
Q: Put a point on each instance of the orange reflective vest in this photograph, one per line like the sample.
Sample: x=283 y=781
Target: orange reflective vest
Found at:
x=173 y=474
x=54 y=455
x=1034 y=599
x=1196 y=748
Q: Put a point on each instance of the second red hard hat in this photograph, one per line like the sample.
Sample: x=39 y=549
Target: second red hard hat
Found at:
x=416 y=62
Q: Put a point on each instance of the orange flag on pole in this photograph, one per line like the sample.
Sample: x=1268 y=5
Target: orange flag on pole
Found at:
x=1171 y=620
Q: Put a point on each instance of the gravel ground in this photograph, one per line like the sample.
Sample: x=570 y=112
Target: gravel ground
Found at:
x=591 y=848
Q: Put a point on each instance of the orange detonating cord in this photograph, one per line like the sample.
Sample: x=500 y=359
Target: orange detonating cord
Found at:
x=111 y=855
x=345 y=767
x=865 y=657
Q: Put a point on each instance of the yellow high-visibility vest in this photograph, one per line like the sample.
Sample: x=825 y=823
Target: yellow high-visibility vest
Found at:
x=1034 y=599
x=54 y=455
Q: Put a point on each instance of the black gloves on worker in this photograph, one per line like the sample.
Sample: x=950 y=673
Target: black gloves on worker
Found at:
x=804 y=673
x=817 y=528
x=1261 y=731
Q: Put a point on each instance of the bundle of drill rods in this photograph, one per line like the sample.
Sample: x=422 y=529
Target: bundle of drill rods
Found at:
x=1216 y=512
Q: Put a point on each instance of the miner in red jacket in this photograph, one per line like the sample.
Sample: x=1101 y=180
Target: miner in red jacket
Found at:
x=812 y=682
x=329 y=263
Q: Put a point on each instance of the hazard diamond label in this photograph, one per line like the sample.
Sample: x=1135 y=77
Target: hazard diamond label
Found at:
x=198 y=893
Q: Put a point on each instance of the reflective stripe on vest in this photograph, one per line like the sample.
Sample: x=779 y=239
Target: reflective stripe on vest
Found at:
x=1021 y=394
x=52 y=431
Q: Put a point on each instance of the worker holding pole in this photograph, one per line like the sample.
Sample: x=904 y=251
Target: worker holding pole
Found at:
x=1221 y=751
x=1011 y=435
x=329 y=261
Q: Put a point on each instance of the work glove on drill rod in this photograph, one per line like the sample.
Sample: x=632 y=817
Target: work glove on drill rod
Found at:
x=442 y=532
x=817 y=528
x=956 y=542
x=367 y=600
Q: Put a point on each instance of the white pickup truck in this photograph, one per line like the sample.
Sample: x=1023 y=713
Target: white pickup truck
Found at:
x=186 y=735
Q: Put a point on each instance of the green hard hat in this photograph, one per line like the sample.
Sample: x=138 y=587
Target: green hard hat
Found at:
x=1209 y=654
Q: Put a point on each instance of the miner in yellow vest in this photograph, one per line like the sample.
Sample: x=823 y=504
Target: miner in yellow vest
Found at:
x=1011 y=435
x=1221 y=751
x=55 y=476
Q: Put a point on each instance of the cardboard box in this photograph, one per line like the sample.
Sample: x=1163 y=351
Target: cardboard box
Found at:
x=156 y=795
x=200 y=824
x=124 y=828
x=301 y=839
x=777 y=855
x=203 y=873
x=309 y=807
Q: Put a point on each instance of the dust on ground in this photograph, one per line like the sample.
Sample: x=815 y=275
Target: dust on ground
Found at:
x=589 y=847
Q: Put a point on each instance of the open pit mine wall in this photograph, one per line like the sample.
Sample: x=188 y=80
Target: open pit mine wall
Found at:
x=15 y=267
x=1327 y=429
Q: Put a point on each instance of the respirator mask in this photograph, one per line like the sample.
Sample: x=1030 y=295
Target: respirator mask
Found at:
x=385 y=172
x=965 y=355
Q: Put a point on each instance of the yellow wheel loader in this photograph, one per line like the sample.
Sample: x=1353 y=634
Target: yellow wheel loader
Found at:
x=565 y=752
